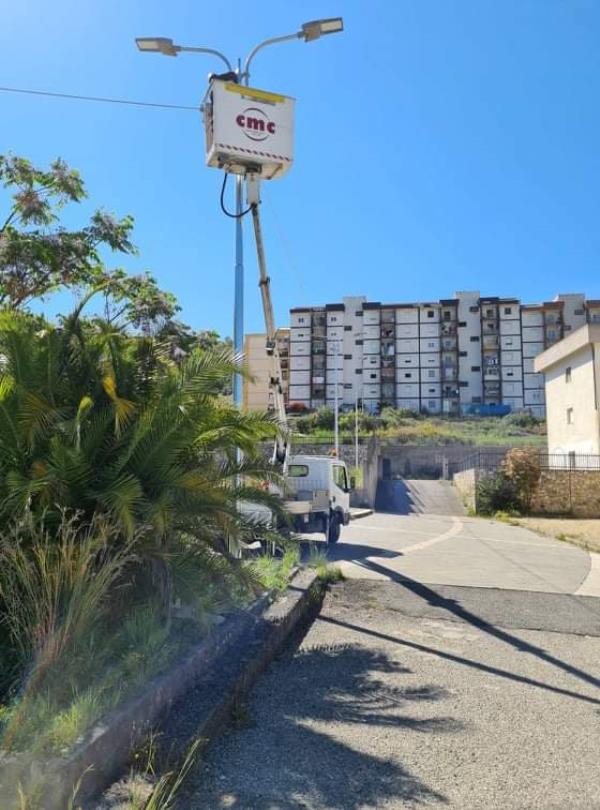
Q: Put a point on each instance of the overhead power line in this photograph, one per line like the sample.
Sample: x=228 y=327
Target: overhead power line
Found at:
x=98 y=99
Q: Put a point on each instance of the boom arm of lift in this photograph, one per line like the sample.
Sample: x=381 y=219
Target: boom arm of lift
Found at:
x=281 y=449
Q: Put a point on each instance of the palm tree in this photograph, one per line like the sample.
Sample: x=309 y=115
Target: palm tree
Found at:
x=98 y=421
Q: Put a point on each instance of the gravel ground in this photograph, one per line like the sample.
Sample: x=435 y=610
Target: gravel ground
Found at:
x=396 y=699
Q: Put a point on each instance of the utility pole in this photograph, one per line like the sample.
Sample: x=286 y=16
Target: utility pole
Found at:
x=309 y=31
x=336 y=401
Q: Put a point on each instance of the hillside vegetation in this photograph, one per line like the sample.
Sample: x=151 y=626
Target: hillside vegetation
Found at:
x=409 y=427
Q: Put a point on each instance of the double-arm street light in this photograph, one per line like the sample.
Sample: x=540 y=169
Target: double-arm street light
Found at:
x=308 y=32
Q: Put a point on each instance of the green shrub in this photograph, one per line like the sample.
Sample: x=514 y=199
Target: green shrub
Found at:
x=495 y=493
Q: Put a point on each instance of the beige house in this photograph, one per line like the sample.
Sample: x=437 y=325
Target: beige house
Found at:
x=256 y=393
x=571 y=369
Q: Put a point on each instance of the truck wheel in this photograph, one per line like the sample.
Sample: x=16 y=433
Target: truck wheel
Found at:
x=334 y=528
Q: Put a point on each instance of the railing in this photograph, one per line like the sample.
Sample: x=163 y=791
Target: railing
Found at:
x=491 y=461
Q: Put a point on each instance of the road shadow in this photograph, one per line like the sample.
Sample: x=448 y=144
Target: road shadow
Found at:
x=345 y=552
x=295 y=752
x=453 y=606
x=395 y=498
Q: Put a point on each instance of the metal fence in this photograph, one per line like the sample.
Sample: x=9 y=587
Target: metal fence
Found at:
x=491 y=461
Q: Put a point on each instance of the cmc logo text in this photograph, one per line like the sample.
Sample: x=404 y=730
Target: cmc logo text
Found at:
x=255 y=124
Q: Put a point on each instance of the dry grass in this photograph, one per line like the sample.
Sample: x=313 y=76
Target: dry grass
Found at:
x=578 y=531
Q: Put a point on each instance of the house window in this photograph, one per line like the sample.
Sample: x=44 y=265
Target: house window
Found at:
x=334 y=319
x=358 y=313
x=430 y=313
x=373 y=376
x=569 y=416
x=408 y=374
x=431 y=391
x=474 y=338
x=475 y=368
x=347 y=328
x=473 y=309
x=358 y=343
x=447 y=315
x=508 y=310
x=462 y=323
x=577 y=312
x=462 y=354
x=347 y=357
x=358 y=370
x=568 y=374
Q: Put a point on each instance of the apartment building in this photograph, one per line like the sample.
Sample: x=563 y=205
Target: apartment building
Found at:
x=448 y=356
x=572 y=374
x=257 y=394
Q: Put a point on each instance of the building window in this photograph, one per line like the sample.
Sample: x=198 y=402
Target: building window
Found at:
x=475 y=368
x=431 y=372
x=432 y=403
x=373 y=376
x=358 y=370
x=508 y=310
x=463 y=383
x=462 y=323
x=577 y=312
x=408 y=374
x=347 y=328
x=358 y=343
x=462 y=354
x=300 y=320
x=431 y=390
x=358 y=313
x=334 y=319
x=476 y=400
x=347 y=357
x=430 y=313
x=569 y=416
x=568 y=374
x=473 y=309
x=474 y=338
x=447 y=315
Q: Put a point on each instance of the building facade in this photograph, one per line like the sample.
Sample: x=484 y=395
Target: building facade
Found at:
x=257 y=394
x=572 y=386
x=455 y=355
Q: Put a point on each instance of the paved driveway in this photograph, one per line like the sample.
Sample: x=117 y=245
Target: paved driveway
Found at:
x=457 y=550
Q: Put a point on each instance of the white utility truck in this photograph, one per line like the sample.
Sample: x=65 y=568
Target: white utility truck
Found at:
x=249 y=132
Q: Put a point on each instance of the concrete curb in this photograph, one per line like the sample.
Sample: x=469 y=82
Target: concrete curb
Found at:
x=104 y=753
x=356 y=514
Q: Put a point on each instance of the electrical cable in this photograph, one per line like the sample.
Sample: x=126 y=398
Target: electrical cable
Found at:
x=97 y=98
x=222 y=201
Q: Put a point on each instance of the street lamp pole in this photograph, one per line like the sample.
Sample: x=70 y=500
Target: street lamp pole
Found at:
x=308 y=32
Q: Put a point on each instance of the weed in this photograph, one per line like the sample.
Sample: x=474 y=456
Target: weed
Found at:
x=326 y=572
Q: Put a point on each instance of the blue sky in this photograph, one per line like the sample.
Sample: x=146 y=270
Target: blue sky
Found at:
x=440 y=145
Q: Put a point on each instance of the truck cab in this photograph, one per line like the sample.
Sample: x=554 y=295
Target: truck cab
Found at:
x=318 y=488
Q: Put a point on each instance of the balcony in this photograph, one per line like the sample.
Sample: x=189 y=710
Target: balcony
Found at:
x=491 y=373
x=388 y=373
x=449 y=373
x=449 y=343
x=490 y=341
x=388 y=349
x=448 y=328
x=318 y=348
x=388 y=332
x=388 y=316
x=450 y=393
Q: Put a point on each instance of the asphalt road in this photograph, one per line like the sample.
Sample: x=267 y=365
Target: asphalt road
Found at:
x=459 y=666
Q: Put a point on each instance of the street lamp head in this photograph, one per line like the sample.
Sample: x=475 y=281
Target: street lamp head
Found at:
x=318 y=28
x=157 y=45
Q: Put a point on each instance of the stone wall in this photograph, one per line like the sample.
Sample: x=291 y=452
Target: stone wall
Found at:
x=574 y=492
x=559 y=492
